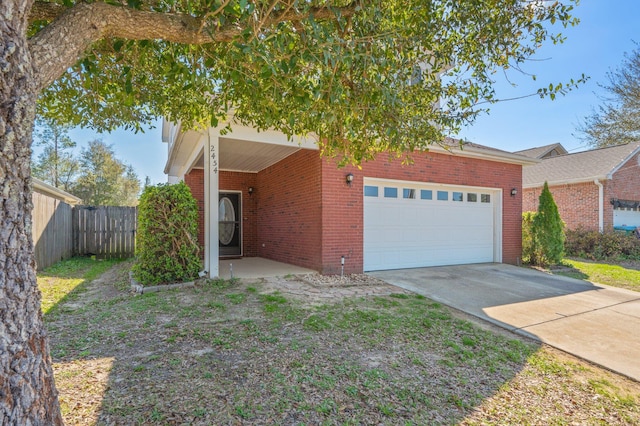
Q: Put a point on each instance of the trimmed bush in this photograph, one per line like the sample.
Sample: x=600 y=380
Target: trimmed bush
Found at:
x=543 y=232
x=167 y=248
x=528 y=248
x=594 y=245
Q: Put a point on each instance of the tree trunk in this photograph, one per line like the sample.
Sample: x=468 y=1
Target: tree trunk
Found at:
x=27 y=392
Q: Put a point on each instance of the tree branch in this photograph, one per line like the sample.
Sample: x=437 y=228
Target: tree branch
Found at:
x=45 y=11
x=72 y=30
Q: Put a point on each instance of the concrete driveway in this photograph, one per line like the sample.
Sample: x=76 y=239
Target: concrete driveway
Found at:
x=595 y=322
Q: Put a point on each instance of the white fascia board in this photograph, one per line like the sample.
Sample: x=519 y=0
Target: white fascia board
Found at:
x=196 y=152
x=566 y=181
x=166 y=129
x=190 y=139
x=171 y=156
x=269 y=136
x=473 y=152
x=52 y=191
x=623 y=162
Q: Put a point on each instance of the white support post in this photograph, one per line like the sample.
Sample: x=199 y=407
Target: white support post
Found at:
x=211 y=172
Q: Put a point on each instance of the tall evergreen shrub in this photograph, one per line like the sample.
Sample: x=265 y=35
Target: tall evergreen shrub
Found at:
x=548 y=231
x=529 y=249
x=167 y=248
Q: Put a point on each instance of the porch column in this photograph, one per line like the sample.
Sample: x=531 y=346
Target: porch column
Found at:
x=211 y=163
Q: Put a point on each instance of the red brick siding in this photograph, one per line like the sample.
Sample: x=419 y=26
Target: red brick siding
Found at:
x=577 y=203
x=456 y=170
x=342 y=220
x=625 y=185
x=290 y=209
x=195 y=181
x=304 y=213
x=229 y=181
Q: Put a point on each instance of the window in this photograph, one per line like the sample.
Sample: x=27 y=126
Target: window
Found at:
x=426 y=194
x=370 y=191
x=409 y=193
x=485 y=198
x=390 y=192
x=443 y=195
x=457 y=196
x=472 y=198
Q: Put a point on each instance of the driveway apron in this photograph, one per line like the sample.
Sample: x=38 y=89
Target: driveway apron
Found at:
x=595 y=322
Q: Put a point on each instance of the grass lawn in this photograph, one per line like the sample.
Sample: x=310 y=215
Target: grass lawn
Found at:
x=224 y=352
x=64 y=281
x=615 y=275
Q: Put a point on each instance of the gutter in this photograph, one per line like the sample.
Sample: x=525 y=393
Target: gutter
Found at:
x=600 y=204
x=566 y=181
x=486 y=154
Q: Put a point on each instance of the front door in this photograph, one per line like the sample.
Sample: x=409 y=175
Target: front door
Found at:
x=229 y=224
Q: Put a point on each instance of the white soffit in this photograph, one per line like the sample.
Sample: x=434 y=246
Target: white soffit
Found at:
x=247 y=156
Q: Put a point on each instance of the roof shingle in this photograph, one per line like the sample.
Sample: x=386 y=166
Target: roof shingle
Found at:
x=579 y=167
x=541 y=151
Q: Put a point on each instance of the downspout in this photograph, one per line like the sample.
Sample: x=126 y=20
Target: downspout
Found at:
x=600 y=205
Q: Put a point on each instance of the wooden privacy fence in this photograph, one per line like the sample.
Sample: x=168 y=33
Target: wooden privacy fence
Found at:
x=108 y=232
x=60 y=231
x=51 y=229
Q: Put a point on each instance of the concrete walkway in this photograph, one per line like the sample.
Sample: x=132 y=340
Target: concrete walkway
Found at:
x=257 y=267
x=595 y=322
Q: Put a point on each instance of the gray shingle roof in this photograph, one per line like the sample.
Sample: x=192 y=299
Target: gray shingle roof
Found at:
x=579 y=167
x=541 y=151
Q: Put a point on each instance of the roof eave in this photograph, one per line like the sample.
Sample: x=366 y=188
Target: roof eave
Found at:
x=58 y=193
x=473 y=152
x=566 y=181
x=623 y=162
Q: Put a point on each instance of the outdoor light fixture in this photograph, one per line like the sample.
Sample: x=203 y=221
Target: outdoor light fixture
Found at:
x=514 y=192
x=349 y=178
x=250 y=190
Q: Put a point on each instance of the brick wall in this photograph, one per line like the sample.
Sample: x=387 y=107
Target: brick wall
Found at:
x=342 y=219
x=229 y=181
x=451 y=169
x=302 y=211
x=289 y=210
x=195 y=181
x=577 y=204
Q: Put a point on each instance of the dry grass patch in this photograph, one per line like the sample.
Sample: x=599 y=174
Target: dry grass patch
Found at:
x=227 y=353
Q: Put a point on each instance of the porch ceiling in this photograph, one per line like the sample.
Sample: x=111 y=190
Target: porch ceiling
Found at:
x=247 y=156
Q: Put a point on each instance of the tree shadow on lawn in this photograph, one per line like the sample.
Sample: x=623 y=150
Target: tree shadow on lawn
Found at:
x=222 y=353
x=65 y=281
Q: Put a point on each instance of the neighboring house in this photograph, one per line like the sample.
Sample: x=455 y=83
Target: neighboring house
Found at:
x=596 y=189
x=544 y=152
x=262 y=195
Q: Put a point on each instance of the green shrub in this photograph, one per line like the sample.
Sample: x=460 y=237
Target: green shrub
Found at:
x=167 y=248
x=543 y=232
x=594 y=245
x=528 y=248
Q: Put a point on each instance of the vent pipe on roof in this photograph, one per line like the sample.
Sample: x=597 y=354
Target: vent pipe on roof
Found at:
x=600 y=205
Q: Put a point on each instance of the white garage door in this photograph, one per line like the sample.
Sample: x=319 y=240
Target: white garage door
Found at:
x=410 y=225
x=626 y=217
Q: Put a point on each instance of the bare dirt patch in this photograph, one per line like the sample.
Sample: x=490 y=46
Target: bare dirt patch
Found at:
x=311 y=350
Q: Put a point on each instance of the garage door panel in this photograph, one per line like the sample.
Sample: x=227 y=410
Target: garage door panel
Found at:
x=626 y=217
x=408 y=233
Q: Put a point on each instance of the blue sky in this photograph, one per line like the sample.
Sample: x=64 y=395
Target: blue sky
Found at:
x=607 y=30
